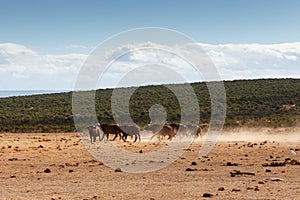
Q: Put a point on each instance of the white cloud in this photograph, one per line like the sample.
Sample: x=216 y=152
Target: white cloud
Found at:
x=23 y=68
x=237 y=61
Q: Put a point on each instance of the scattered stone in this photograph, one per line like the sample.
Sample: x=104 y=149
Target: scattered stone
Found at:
x=141 y=151
x=294 y=162
x=207 y=195
x=272 y=179
x=231 y=164
x=221 y=189
x=256 y=188
x=118 y=170
x=274 y=164
x=72 y=165
x=189 y=169
x=41 y=146
x=47 y=170
x=293 y=153
x=71 y=170
x=268 y=170
x=239 y=173
x=287 y=161
x=235 y=190
x=194 y=163
x=13 y=176
x=261 y=182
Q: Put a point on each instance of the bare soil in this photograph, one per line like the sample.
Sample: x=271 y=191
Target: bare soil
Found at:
x=58 y=166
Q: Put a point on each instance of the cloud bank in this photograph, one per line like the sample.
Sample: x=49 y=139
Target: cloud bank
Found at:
x=22 y=68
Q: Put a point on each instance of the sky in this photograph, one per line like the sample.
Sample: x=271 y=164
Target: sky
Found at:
x=43 y=44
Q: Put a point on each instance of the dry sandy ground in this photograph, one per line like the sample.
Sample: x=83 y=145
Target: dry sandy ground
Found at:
x=73 y=173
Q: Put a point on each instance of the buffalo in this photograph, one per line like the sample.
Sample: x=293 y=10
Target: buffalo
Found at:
x=94 y=131
x=161 y=131
x=122 y=131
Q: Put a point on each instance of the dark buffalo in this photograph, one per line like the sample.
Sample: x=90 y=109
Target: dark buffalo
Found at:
x=194 y=130
x=160 y=131
x=122 y=131
x=110 y=129
x=130 y=130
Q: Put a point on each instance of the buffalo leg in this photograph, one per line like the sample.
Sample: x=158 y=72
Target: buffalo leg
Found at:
x=135 y=138
x=116 y=135
x=124 y=137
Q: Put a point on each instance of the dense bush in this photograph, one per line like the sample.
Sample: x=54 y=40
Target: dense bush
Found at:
x=265 y=102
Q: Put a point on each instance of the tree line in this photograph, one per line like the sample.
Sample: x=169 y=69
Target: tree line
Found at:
x=251 y=103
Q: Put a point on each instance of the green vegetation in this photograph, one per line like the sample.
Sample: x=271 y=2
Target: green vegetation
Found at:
x=265 y=102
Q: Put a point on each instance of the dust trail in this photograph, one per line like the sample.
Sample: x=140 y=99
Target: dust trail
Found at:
x=261 y=134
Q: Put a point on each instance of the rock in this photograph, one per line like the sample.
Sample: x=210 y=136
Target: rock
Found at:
x=47 y=170
x=274 y=179
x=189 y=169
x=207 y=195
x=71 y=170
x=13 y=176
x=293 y=153
x=274 y=164
x=231 y=164
x=261 y=182
x=235 y=190
x=118 y=170
x=141 y=151
x=268 y=170
x=194 y=163
x=294 y=162
x=239 y=173
x=221 y=189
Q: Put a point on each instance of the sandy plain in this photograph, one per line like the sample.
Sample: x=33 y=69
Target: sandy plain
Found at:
x=58 y=166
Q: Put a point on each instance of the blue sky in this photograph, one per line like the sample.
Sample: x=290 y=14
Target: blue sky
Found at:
x=48 y=26
x=43 y=43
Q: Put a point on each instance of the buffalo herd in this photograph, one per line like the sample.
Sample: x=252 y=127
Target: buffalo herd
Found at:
x=160 y=132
